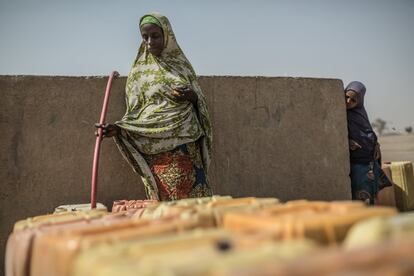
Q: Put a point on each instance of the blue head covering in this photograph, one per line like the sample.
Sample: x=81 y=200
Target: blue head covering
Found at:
x=360 y=89
x=359 y=127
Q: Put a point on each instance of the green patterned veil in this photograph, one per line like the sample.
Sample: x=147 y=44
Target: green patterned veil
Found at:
x=155 y=121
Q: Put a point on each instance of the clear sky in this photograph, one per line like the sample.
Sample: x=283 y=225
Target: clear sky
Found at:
x=367 y=40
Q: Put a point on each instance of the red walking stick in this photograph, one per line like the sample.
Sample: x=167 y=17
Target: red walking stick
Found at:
x=95 y=165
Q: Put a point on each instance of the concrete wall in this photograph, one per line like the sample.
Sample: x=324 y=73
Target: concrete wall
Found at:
x=282 y=137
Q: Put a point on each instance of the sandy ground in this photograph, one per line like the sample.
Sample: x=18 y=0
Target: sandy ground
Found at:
x=397 y=147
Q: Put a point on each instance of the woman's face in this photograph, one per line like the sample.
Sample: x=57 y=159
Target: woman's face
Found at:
x=154 y=38
x=351 y=99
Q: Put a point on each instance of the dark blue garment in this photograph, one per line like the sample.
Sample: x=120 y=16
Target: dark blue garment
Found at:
x=367 y=180
x=359 y=127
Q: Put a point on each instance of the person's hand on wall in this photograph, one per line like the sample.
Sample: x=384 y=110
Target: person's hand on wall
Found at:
x=108 y=130
x=185 y=94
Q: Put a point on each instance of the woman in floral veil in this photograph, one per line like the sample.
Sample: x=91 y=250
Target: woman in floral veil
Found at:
x=165 y=134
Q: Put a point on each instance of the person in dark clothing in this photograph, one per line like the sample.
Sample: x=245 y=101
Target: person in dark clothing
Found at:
x=367 y=177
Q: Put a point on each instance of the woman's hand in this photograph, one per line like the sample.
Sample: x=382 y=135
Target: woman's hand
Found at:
x=185 y=94
x=354 y=145
x=108 y=130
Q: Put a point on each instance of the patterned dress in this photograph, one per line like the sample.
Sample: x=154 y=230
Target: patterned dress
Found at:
x=168 y=142
x=179 y=173
x=367 y=180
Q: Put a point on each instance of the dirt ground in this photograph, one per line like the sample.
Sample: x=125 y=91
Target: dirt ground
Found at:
x=397 y=147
